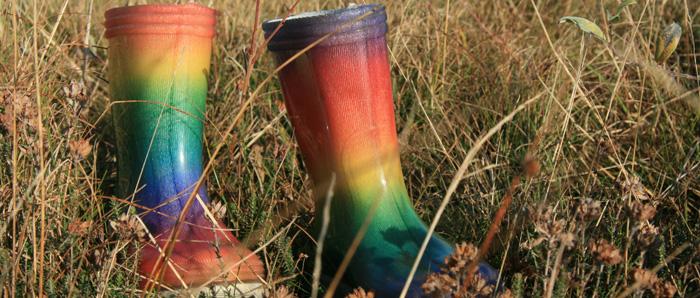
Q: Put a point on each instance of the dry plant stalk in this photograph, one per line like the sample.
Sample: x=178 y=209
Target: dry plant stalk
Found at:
x=531 y=168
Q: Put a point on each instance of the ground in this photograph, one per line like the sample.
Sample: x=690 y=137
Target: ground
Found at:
x=610 y=138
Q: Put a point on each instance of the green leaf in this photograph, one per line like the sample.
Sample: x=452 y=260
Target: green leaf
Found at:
x=619 y=9
x=585 y=25
x=667 y=42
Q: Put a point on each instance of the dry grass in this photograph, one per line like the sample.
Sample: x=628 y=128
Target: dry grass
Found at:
x=614 y=141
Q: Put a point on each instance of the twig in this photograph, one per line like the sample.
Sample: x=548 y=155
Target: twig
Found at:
x=495 y=226
x=42 y=166
x=555 y=270
x=325 y=221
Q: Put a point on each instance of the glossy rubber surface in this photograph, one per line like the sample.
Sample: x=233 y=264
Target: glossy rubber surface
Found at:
x=345 y=26
x=158 y=83
x=339 y=99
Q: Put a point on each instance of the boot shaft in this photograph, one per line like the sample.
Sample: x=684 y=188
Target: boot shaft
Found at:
x=339 y=99
x=159 y=59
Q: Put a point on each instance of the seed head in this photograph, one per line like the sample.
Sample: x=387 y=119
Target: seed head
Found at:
x=439 y=285
x=79 y=228
x=588 y=210
x=664 y=289
x=645 y=278
x=641 y=212
x=128 y=227
x=633 y=188
x=605 y=252
x=463 y=254
x=647 y=234
x=281 y=292
x=80 y=148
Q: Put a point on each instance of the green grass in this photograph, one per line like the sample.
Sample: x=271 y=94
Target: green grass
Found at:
x=456 y=71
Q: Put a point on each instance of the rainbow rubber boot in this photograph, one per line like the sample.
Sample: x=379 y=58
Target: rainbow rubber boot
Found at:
x=338 y=97
x=159 y=58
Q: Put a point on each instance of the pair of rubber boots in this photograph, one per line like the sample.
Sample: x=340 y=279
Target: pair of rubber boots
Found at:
x=338 y=97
